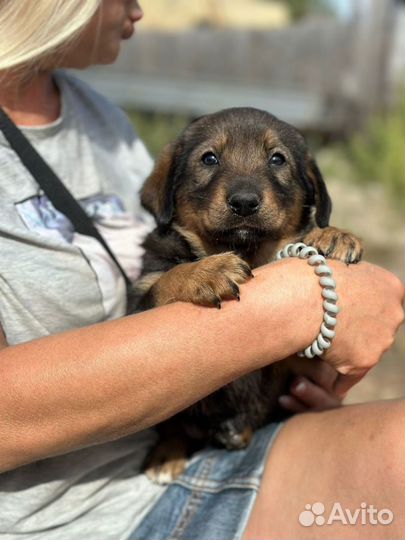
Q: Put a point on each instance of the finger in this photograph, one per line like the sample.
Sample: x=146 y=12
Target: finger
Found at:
x=316 y=369
x=312 y=396
x=291 y=404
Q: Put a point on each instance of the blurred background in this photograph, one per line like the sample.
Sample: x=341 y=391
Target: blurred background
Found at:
x=333 y=68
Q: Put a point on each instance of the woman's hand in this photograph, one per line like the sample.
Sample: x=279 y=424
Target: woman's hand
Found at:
x=313 y=386
x=371 y=311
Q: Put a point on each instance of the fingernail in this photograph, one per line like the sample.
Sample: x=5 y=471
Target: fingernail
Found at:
x=300 y=388
x=284 y=401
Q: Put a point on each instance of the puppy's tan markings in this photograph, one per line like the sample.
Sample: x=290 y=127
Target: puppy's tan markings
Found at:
x=192 y=219
x=245 y=437
x=335 y=244
x=145 y=283
x=167 y=460
x=188 y=219
x=193 y=239
x=206 y=282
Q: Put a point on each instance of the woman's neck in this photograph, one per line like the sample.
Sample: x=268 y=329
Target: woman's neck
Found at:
x=32 y=102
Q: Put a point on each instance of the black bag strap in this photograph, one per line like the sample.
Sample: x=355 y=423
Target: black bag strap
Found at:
x=58 y=194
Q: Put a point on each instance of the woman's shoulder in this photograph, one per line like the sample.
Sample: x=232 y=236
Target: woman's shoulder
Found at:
x=84 y=102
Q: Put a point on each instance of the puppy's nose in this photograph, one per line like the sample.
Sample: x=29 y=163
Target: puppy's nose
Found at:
x=244 y=203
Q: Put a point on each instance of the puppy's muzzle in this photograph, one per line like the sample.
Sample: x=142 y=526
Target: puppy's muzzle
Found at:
x=244 y=203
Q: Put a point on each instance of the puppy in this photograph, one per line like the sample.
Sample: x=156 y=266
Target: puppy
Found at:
x=232 y=190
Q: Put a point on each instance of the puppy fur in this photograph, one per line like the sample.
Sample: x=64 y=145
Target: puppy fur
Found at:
x=234 y=188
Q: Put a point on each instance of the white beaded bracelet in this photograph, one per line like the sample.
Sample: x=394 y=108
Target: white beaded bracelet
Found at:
x=327 y=332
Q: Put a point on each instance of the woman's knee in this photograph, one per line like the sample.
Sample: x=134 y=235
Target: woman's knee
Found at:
x=348 y=456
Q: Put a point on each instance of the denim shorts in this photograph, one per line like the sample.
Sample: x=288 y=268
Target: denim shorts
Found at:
x=213 y=498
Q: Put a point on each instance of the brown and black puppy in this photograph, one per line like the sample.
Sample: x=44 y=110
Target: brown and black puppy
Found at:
x=232 y=190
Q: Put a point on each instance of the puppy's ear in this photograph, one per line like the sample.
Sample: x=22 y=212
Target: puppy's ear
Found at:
x=323 y=203
x=158 y=191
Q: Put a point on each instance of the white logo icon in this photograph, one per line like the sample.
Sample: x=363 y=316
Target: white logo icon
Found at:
x=312 y=514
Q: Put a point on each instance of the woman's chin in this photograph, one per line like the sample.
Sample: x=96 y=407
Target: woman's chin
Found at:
x=128 y=32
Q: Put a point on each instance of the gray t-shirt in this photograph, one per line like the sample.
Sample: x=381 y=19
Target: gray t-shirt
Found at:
x=53 y=279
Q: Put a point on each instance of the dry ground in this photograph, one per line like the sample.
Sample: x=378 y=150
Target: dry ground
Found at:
x=369 y=212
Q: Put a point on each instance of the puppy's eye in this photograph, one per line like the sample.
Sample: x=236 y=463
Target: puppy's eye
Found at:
x=210 y=159
x=277 y=159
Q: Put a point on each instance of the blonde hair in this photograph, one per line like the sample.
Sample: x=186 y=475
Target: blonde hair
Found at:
x=33 y=29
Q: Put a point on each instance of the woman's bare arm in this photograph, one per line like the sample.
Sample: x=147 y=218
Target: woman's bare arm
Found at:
x=102 y=382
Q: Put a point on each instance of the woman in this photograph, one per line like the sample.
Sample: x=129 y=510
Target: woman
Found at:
x=81 y=386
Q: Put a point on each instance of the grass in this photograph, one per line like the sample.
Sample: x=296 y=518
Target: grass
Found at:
x=157 y=129
x=378 y=153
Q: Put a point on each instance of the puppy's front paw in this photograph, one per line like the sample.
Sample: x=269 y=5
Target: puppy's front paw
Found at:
x=166 y=461
x=206 y=282
x=335 y=244
x=216 y=278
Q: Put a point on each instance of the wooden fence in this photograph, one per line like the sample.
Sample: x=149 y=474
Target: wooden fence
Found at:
x=322 y=74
